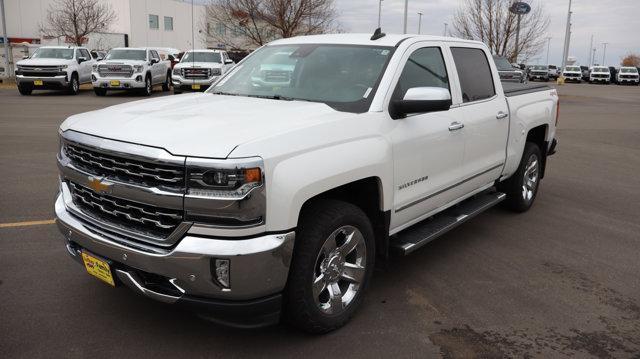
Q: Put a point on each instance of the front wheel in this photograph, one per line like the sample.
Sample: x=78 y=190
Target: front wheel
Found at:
x=25 y=90
x=74 y=85
x=100 y=91
x=522 y=187
x=332 y=264
x=148 y=87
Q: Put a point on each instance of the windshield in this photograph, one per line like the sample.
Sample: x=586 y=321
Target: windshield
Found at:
x=629 y=70
x=573 y=69
x=552 y=67
x=539 y=68
x=342 y=76
x=127 y=55
x=201 y=57
x=44 y=53
x=600 y=69
x=502 y=63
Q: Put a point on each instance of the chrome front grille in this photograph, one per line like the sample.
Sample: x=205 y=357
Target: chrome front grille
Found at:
x=126 y=170
x=196 y=73
x=105 y=70
x=128 y=215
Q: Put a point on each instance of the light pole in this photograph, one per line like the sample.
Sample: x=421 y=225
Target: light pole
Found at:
x=379 y=11
x=445 y=29
x=406 y=9
x=5 y=39
x=604 y=54
x=548 y=46
x=419 y=22
x=593 y=58
x=590 y=50
x=567 y=37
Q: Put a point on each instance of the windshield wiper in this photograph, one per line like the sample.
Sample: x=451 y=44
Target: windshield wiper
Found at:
x=225 y=93
x=274 y=97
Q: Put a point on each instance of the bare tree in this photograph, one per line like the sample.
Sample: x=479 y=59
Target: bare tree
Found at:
x=246 y=23
x=631 y=60
x=491 y=22
x=75 y=19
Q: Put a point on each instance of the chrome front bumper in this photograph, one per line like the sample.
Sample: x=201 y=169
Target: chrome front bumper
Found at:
x=60 y=80
x=258 y=266
x=125 y=83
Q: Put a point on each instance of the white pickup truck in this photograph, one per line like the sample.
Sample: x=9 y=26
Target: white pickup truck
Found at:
x=198 y=69
x=131 y=69
x=253 y=202
x=628 y=75
x=54 y=68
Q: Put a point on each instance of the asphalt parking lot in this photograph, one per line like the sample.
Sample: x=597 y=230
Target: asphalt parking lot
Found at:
x=559 y=281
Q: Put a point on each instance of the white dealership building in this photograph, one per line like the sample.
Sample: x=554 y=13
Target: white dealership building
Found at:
x=154 y=23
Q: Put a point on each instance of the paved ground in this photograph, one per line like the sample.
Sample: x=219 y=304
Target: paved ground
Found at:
x=558 y=281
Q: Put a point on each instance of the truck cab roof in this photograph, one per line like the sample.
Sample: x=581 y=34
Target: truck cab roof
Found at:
x=390 y=40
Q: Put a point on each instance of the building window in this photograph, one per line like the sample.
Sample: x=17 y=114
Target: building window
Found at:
x=221 y=29
x=154 y=22
x=168 y=23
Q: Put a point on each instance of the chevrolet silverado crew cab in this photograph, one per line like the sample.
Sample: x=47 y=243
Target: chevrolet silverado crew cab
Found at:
x=600 y=74
x=54 y=68
x=137 y=69
x=252 y=203
x=628 y=75
x=198 y=69
x=539 y=72
x=572 y=74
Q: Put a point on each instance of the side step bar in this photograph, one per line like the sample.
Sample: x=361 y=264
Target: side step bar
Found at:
x=424 y=232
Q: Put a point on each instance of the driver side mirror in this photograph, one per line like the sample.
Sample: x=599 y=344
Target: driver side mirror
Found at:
x=81 y=59
x=228 y=62
x=25 y=57
x=154 y=61
x=421 y=100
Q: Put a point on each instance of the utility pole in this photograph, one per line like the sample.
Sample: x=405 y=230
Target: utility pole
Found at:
x=5 y=40
x=419 y=22
x=406 y=9
x=548 y=46
x=604 y=54
x=590 y=51
x=567 y=38
x=593 y=58
x=445 y=29
x=518 y=38
x=379 y=11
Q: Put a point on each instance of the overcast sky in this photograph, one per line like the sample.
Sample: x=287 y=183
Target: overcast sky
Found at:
x=614 y=21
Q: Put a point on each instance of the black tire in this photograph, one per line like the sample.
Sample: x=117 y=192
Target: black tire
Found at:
x=74 y=85
x=100 y=91
x=317 y=226
x=176 y=92
x=520 y=197
x=166 y=86
x=148 y=86
x=25 y=90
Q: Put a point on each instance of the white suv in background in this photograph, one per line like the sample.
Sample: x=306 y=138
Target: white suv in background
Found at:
x=628 y=75
x=54 y=67
x=198 y=69
x=131 y=69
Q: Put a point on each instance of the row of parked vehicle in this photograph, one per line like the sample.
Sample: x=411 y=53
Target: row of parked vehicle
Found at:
x=596 y=74
x=129 y=69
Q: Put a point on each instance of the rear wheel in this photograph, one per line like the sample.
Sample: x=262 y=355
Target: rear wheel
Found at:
x=25 y=90
x=522 y=187
x=166 y=86
x=332 y=264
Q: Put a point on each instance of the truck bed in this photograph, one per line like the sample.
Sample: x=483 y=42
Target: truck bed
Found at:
x=516 y=89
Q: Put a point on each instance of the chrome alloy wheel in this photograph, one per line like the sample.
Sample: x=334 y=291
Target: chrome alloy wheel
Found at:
x=530 y=182
x=339 y=270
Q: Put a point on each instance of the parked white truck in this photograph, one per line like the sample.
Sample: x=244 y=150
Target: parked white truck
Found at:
x=628 y=75
x=54 y=68
x=131 y=69
x=198 y=69
x=252 y=203
x=600 y=74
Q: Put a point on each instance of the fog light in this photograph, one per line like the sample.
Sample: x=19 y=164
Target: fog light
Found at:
x=139 y=78
x=93 y=78
x=222 y=272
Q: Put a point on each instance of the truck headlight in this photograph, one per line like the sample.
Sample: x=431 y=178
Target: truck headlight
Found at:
x=63 y=67
x=176 y=71
x=138 y=68
x=94 y=67
x=225 y=193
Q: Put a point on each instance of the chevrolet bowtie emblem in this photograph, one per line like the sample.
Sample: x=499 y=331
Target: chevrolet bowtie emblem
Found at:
x=98 y=186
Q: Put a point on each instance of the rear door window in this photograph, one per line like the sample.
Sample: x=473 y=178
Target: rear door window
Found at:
x=474 y=72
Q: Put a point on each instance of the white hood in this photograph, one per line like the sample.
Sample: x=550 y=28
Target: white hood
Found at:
x=205 y=65
x=202 y=125
x=44 y=62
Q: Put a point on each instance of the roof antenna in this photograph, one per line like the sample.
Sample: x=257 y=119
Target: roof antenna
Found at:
x=378 y=34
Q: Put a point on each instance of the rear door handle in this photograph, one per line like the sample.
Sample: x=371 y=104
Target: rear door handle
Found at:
x=456 y=126
x=501 y=115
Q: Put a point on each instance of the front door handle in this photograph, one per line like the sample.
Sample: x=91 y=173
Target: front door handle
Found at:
x=456 y=126
x=501 y=115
